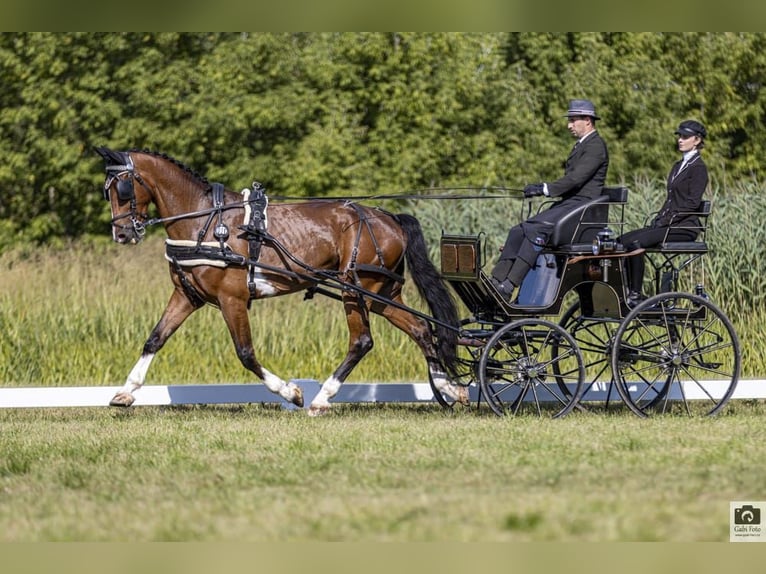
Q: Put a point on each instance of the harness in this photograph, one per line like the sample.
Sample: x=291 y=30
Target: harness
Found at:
x=255 y=229
x=190 y=253
x=218 y=253
x=353 y=265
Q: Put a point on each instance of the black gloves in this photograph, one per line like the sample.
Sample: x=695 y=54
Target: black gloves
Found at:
x=534 y=189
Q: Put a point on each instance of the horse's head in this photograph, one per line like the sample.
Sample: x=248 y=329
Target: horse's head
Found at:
x=129 y=202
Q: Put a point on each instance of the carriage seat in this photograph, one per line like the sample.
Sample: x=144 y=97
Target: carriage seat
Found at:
x=575 y=232
x=697 y=246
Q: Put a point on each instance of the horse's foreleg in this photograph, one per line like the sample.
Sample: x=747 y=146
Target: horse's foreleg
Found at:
x=418 y=331
x=360 y=343
x=235 y=314
x=176 y=312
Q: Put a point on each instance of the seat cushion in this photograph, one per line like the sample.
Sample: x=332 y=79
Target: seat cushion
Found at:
x=681 y=247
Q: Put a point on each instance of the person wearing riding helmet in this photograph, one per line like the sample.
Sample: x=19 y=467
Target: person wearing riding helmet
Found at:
x=686 y=183
x=584 y=176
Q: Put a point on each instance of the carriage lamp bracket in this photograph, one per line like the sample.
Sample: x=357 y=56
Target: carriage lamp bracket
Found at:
x=605 y=264
x=604 y=242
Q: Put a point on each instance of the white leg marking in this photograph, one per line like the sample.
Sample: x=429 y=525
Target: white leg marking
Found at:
x=137 y=375
x=124 y=397
x=445 y=386
x=276 y=385
x=329 y=389
x=263 y=287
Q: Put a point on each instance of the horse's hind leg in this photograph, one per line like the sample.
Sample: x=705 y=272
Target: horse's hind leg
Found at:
x=235 y=314
x=418 y=331
x=360 y=343
x=178 y=309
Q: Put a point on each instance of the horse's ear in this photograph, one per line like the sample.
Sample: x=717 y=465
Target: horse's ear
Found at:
x=102 y=151
x=110 y=156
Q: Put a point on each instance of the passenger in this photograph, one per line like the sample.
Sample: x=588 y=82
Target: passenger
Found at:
x=687 y=181
x=584 y=176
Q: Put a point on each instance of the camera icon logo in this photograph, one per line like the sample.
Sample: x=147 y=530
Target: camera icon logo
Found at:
x=747 y=514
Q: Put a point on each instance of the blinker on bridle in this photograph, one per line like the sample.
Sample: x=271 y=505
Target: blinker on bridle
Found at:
x=124 y=174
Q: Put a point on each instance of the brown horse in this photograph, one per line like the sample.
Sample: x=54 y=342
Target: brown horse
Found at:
x=226 y=250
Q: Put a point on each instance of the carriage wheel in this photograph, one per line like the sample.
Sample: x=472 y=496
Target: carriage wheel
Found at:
x=594 y=339
x=676 y=351
x=524 y=366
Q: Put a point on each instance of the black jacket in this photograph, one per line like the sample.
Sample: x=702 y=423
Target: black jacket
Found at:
x=584 y=171
x=685 y=191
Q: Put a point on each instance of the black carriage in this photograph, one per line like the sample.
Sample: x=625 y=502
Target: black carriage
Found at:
x=570 y=338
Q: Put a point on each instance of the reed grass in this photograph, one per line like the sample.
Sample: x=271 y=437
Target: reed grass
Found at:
x=80 y=316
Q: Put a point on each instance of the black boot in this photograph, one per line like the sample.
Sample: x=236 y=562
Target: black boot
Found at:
x=505 y=288
x=634 y=298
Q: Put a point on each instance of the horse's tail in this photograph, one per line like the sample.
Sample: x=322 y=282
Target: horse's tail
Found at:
x=432 y=288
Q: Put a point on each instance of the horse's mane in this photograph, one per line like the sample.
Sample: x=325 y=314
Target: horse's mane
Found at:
x=200 y=178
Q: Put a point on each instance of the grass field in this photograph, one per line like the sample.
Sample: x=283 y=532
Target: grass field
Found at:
x=373 y=473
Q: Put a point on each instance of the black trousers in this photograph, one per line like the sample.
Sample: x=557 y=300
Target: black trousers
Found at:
x=526 y=240
x=648 y=237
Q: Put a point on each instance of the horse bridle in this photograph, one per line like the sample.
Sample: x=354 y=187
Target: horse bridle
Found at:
x=124 y=175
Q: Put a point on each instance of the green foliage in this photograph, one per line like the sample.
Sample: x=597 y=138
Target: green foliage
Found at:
x=313 y=114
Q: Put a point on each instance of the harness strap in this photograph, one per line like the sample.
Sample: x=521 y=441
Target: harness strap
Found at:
x=353 y=266
x=381 y=271
x=191 y=293
x=254 y=229
x=189 y=254
x=221 y=232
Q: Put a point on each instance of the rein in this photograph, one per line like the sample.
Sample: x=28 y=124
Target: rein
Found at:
x=238 y=204
x=410 y=195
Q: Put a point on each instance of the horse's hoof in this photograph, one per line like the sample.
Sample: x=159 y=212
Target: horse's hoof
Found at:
x=318 y=410
x=459 y=394
x=298 y=397
x=122 y=400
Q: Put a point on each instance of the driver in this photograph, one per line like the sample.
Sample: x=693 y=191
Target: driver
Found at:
x=584 y=176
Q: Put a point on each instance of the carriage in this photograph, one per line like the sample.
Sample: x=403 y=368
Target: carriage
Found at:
x=569 y=340
x=676 y=350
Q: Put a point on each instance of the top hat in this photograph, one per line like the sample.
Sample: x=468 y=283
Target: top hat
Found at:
x=582 y=108
x=691 y=128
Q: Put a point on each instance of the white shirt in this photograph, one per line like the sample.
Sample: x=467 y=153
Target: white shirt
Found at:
x=689 y=157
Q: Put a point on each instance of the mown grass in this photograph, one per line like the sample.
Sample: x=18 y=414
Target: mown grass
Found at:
x=373 y=473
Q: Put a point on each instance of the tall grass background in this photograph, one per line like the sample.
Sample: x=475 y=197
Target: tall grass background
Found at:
x=79 y=314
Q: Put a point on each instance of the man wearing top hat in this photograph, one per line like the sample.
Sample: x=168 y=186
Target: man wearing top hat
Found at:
x=584 y=176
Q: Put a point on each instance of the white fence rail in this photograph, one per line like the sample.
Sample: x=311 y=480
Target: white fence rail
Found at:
x=37 y=397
